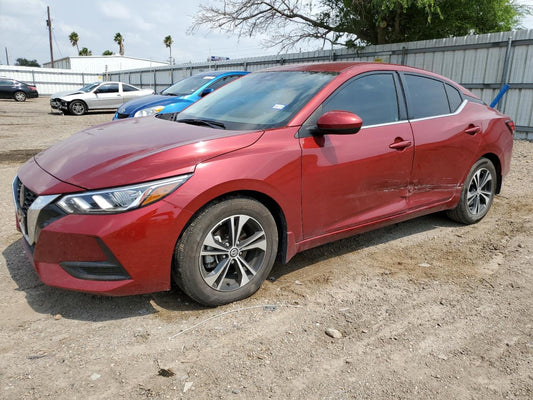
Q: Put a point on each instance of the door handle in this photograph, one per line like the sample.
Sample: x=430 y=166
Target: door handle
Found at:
x=400 y=145
x=472 y=130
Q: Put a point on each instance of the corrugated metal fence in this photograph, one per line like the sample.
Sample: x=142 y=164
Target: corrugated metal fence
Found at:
x=482 y=63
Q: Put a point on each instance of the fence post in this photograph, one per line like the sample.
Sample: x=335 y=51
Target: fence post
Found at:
x=505 y=73
x=404 y=55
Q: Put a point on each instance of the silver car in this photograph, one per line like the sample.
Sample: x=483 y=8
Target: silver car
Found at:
x=96 y=96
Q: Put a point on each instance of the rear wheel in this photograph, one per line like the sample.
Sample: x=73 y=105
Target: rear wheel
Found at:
x=226 y=252
x=19 y=96
x=77 y=107
x=477 y=194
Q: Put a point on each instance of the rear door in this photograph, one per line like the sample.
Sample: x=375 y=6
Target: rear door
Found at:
x=349 y=180
x=446 y=138
x=6 y=89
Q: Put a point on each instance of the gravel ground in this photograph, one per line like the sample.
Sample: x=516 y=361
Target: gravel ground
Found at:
x=426 y=309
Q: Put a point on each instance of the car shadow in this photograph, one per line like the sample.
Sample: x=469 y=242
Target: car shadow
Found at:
x=82 y=306
x=87 y=307
x=362 y=241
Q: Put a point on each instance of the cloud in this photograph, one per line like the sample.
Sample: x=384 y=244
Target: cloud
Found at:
x=119 y=11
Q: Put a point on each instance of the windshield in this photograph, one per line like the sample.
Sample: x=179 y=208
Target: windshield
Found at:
x=261 y=100
x=188 y=85
x=89 y=87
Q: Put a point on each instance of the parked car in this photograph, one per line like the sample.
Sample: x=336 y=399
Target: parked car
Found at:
x=178 y=96
x=96 y=96
x=271 y=164
x=18 y=91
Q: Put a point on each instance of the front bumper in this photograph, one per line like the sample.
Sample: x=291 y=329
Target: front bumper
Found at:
x=55 y=104
x=118 y=254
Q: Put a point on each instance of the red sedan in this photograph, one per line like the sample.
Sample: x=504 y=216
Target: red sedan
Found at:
x=274 y=163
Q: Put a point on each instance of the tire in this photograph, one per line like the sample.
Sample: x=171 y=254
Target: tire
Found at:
x=77 y=107
x=211 y=267
x=19 y=96
x=477 y=194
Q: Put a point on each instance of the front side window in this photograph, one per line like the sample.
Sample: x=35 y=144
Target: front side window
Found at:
x=372 y=97
x=261 y=100
x=222 y=81
x=427 y=97
x=108 y=88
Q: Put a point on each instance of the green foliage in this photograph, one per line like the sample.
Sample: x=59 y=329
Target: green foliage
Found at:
x=168 y=41
x=107 y=53
x=27 y=63
x=85 y=52
x=391 y=21
x=120 y=41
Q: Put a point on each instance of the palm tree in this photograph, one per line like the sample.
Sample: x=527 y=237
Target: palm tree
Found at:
x=74 y=38
x=85 y=52
x=168 y=43
x=120 y=41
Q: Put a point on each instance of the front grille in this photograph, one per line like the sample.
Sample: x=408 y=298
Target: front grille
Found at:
x=121 y=116
x=24 y=198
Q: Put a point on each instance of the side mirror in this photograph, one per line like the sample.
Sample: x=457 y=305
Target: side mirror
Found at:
x=339 y=123
x=205 y=92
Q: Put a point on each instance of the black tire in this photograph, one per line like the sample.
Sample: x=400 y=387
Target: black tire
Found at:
x=77 y=107
x=477 y=194
x=19 y=96
x=214 y=269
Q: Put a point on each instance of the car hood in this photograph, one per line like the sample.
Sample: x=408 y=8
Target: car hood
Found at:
x=137 y=150
x=133 y=106
x=65 y=93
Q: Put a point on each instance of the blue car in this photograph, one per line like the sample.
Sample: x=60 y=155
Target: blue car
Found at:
x=180 y=95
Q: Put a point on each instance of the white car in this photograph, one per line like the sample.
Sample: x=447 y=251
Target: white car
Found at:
x=96 y=96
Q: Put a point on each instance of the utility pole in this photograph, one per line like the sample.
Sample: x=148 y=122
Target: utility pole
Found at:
x=49 y=24
x=7 y=57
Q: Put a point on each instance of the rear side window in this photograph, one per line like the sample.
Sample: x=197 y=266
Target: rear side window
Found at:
x=427 y=97
x=454 y=97
x=128 y=88
x=372 y=97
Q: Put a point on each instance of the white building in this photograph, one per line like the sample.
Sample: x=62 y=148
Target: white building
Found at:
x=102 y=64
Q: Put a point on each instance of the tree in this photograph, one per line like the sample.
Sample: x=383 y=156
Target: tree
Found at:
x=120 y=41
x=168 y=43
x=353 y=22
x=74 y=38
x=27 y=63
x=85 y=52
x=107 y=53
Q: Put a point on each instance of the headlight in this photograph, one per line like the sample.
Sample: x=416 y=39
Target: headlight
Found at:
x=148 y=111
x=117 y=200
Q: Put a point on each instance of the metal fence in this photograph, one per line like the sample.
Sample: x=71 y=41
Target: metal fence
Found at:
x=48 y=80
x=481 y=63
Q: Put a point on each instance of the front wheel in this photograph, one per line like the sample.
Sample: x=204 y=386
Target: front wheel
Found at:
x=19 y=96
x=477 y=194
x=226 y=252
x=77 y=107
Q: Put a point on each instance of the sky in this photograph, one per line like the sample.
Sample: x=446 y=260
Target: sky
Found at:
x=143 y=26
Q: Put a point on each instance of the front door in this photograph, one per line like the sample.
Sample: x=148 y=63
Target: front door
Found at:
x=350 y=180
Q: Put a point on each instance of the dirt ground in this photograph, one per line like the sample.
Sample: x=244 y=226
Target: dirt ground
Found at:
x=427 y=309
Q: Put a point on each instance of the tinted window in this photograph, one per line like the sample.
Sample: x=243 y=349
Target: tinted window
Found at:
x=222 y=81
x=371 y=97
x=454 y=97
x=128 y=88
x=5 y=82
x=427 y=97
x=109 y=88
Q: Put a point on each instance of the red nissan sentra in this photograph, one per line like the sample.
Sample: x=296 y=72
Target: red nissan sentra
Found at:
x=274 y=163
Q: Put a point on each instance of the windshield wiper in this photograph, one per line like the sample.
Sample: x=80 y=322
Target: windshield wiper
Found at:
x=202 y=122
